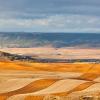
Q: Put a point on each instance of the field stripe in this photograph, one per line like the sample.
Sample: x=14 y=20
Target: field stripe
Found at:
x=32 y=87
x=97 y=79
x=14 y=84
x=37 y=95
x=60 y=86
x=94 y=87
x=57 y=87
x=92 y=90
x=89 y=76
x=78 y=88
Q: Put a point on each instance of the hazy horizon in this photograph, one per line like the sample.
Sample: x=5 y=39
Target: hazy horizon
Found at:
x=29 y=40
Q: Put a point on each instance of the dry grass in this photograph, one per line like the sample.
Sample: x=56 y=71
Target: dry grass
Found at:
x=3 y=97
x=88 y=74
x=60 y=67
x=32 y=87
x=34 y=98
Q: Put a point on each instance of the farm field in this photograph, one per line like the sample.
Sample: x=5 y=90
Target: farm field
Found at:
x=48 y=81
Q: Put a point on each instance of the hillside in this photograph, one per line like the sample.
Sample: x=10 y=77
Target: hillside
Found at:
x=46 y=81
x=23 y=78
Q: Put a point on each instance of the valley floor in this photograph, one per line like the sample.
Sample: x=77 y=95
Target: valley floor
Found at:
x=57 y=53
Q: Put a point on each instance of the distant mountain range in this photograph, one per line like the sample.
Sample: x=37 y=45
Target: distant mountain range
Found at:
x=28 y=40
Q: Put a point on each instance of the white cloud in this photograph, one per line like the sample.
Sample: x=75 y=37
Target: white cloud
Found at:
x=57 y=22
x=21 y=22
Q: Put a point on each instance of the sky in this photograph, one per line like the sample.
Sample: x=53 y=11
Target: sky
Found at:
x=50 y=15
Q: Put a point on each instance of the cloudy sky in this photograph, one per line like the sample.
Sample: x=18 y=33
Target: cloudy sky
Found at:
x=50 y=15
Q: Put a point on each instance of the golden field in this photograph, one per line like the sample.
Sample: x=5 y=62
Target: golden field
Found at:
x=49 y=81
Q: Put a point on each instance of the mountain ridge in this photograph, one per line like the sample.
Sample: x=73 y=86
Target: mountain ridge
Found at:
x=29 y=40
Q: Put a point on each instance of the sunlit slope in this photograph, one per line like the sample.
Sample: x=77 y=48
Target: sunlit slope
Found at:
x=60 y=67
x=46 y=81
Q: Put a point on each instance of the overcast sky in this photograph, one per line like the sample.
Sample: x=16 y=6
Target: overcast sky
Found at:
x=50 y=15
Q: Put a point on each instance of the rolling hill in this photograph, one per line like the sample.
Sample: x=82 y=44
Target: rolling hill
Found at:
x=48 y=81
